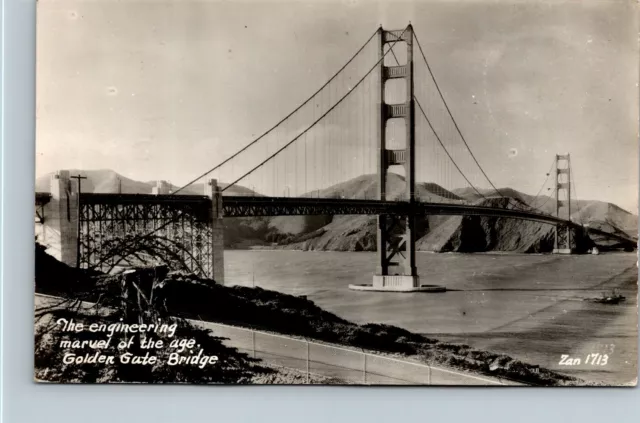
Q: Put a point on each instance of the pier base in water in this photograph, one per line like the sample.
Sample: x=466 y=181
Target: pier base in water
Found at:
x=562 y=251
x=397 y=283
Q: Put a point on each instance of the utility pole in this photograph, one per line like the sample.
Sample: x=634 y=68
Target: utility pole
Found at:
x=79 y=178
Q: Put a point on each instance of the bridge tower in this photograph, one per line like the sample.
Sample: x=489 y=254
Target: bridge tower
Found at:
x=62 y=224
x=396 y=270
x=562 y=242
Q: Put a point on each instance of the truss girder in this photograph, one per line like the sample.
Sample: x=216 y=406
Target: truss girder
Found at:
x=181 y=228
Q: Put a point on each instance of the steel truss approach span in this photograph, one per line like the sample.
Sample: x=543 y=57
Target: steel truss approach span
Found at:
x=181 y=226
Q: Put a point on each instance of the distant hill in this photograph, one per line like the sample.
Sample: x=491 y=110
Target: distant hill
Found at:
x=291 y=229
x=593 y=212
x=107 y=181
x=358 y=233
x=543 y=203
x=366 y=187
x=599 y=212
x=99 y=181
x=439 y=234
x=444 y=233
x=482 y=233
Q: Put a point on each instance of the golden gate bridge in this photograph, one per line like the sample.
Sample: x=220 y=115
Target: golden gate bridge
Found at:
x=382 y=112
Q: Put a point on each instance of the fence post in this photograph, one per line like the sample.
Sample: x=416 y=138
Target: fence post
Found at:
x=253 y=342
x=307 y=362
x=364 y=368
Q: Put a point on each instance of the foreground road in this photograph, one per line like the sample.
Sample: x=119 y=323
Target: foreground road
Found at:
x=341 y=362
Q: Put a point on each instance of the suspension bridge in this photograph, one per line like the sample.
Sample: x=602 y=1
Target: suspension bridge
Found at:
x=382 y=113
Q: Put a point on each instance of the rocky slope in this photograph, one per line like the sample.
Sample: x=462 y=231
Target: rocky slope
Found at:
x=481 y=233
x=596 y=213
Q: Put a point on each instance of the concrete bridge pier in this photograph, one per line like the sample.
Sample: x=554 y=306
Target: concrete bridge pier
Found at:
x=562 y=243
x=217 y=231
x=161 y=188
x=63 y=217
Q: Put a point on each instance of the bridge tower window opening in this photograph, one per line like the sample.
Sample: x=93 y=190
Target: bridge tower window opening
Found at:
x=395 y=91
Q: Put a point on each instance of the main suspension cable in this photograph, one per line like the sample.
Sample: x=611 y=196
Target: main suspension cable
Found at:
x=445 y=148
x=545 y=181
x=437 y=136
x=572 y=181
x=267 y=132
x=424 y=57
x=318 y=120
x=137 y=238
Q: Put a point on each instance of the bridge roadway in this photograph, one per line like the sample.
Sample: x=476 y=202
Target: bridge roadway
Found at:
x=246 y=206
x=239 y=206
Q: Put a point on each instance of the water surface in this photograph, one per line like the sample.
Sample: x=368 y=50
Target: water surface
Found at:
x=528 y=306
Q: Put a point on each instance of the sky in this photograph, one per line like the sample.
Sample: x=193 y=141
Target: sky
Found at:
x=167 y=89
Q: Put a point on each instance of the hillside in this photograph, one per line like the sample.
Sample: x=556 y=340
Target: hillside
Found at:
x=108 y=181
x=329 y=233
x=598 y=214
x=100 y=181
x=358 y=233
x=479 y=233
x=366 y=187
x=440 y=233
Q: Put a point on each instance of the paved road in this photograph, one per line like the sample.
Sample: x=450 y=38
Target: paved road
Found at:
x=340 y=362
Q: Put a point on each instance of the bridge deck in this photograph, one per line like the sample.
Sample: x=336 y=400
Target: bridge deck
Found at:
x=240 y=206
x=246 y=206
x=102 y=198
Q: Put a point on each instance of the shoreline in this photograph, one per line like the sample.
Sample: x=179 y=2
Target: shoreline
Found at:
x=486 y=253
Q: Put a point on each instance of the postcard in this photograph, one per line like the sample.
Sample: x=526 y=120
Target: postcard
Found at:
x=337 y=192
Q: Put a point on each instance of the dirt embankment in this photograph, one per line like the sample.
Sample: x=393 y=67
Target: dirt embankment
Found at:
x=120 y=301
x=187 y=296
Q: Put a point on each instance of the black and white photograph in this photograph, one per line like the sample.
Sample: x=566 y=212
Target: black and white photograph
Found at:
x=339 y=192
